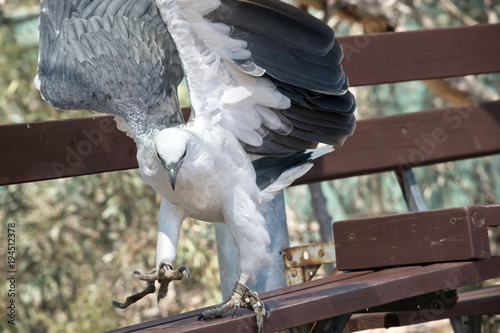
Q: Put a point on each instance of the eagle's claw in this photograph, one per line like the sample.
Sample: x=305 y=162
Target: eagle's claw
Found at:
x=164 y=276
x=242 y=297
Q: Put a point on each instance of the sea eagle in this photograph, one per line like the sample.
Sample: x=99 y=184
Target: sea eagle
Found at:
x=266 y=86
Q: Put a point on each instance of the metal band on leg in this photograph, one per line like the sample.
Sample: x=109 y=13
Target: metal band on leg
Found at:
x=253 y=302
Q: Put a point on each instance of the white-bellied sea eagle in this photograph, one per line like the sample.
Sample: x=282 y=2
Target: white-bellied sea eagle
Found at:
x=266 y=86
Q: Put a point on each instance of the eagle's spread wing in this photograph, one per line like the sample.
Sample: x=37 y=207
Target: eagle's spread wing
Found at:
x=301 y=57
x=111 y=56
x=264 y=70
x=268 y=72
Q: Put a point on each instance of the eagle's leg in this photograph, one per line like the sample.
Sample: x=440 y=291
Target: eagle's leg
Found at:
x=164 y=276
x=242 y=297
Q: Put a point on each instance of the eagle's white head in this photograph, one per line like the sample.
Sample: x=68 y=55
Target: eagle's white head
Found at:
x=172 y=145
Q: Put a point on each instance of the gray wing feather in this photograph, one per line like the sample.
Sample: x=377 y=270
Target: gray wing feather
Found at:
x=110 y=56
x=302 y=58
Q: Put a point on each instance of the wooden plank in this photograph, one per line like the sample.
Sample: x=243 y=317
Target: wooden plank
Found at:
x=428 y=301
x=333 y=296
x=476 y=302
x=41 y=151
x=413 y=238
x=63 y=148
x=422 y=54
x=493 y=215
x=55 y=149
x=412 y=140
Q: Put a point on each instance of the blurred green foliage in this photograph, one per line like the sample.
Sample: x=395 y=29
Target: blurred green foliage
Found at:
x=79 y=239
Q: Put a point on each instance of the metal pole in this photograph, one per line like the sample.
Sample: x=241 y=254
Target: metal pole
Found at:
x=411 y=191
x=269 y=278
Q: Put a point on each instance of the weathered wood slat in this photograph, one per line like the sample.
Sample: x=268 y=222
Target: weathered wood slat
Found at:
x=447 y=52
x=493 y=215
x=65 y=148
x=413 y=238
x=48 y=150
x=481 y=301
x=332 y=296
x=413 y=140
x=68 y=148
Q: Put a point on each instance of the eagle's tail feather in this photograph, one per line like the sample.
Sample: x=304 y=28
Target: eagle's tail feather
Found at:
x=277 y=173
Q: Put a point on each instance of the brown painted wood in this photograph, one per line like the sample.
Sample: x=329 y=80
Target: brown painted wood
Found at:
x=480 y=301
x=423 y=54
x=413 y=140
x=413 y=238
x=66 y=148
x=428 y=301
x=493 y=215
x=40 y=151
x=335 y=295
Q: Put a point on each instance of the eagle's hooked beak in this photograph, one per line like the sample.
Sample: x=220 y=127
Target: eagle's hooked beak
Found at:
x=173 y=170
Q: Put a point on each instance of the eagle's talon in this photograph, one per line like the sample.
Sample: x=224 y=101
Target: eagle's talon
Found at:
x=158 y=299
x=268 y=311
x=236 y=307
x=135 y=297
x=169 y=267
x=242 y=297
x=162 y=292
x=117 y=305
x=150 y=276
x=185 y=269
x=253 y=303
x=165 y=267
x=164 y=275
x=260 y=311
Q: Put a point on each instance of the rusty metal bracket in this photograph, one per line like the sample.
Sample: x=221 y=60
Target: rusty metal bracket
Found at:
x=302 y=262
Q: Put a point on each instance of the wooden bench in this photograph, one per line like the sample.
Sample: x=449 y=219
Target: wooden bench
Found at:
x=337 y=295
x=68 y=148
x=470 y=303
